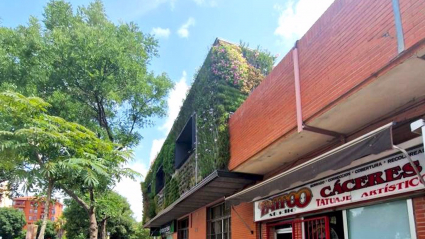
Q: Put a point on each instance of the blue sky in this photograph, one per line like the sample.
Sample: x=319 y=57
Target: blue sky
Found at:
x=185 y=30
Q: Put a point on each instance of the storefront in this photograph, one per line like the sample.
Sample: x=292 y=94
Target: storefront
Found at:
x=369 y=201
x=344 y=196
x=164 y=232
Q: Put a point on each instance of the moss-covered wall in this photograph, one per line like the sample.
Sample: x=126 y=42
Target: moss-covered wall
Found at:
x=226 y=78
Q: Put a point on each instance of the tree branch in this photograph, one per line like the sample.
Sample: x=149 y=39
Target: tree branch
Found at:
x=76 y=198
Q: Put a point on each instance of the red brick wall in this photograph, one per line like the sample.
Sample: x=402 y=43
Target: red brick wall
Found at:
x=419 y=211
x=198 y=224
x=239 y=230
x=413 y=20
x=352 y=40
x=266 y=114
x=343 y=48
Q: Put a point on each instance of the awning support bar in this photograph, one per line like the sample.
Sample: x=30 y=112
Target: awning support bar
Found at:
x=415 y=168
x=325 y=132
x=246 y=225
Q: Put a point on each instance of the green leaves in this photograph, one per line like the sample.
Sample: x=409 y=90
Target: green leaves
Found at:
x=110 y=206
x=54 y=148
x=91 y=70
x=11 y=223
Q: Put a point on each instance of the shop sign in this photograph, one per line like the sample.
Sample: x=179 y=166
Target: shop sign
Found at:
x=388 y=176
x=168 y=228
x=164 y=230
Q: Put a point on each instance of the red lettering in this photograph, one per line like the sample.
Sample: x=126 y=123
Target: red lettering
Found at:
x=414 y=184
x=345 y=185
x=391 y=172
x=375 y=179
x=323 y=192
x=360 y=182
x=408 y=170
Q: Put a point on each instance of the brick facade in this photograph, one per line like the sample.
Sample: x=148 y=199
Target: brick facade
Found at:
x=246 y=214
x=419 y=212
x=349 y=43
x=198 y=224
x=33 y=209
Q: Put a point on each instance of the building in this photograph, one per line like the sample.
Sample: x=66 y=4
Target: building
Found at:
x=329 y=143
x=33 y=209
x=5 y=200
x=196 y=151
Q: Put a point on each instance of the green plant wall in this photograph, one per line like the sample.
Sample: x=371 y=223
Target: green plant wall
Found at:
x=221 y=85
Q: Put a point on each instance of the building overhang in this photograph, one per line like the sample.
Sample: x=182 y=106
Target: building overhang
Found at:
x=218 y=184
x=397 y=86
x=372 y=143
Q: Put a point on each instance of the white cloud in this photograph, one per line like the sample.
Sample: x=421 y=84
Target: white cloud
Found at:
x=296 y=18
x=131 y=189
x=175 y=101
x=173 y=4
x=156 y=147
x=161 y=32
x=184 y=29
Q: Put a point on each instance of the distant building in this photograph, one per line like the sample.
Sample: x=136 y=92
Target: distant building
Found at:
x=33 y=208
x=5 y=200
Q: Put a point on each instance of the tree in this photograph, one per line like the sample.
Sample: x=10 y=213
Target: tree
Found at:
x=55 y=153
x=11 y=223
x=140 y=232
x=50 y=232
x=59 y=225
x=114 y=216
x=92 y=71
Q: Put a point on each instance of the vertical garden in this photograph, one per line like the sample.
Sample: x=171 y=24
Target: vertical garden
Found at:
x=229 y=73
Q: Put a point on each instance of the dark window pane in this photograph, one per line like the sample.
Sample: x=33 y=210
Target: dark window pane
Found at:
x=217 y=212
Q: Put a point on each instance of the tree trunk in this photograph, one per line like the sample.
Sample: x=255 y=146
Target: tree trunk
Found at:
x=91 y=210
x=46 y=209
x=93 y=223
x=103 y=223
x=92 y=216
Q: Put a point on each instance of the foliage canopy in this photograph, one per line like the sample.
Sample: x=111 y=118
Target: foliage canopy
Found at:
x=11 y=223
x=91 y=71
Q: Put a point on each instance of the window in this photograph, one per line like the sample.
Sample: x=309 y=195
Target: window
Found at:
x=386 y=220
x=185 y=143
x=159 y=180
x=183 y=229
x=219 y=222
x=30 y=218
x=149 y=188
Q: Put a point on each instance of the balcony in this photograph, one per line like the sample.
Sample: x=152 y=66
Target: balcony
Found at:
x=19 y=204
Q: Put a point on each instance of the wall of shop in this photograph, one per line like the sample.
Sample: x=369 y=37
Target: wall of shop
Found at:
x=419 y=211
x=346 y=46
x=246 y=214
x=198 y=224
